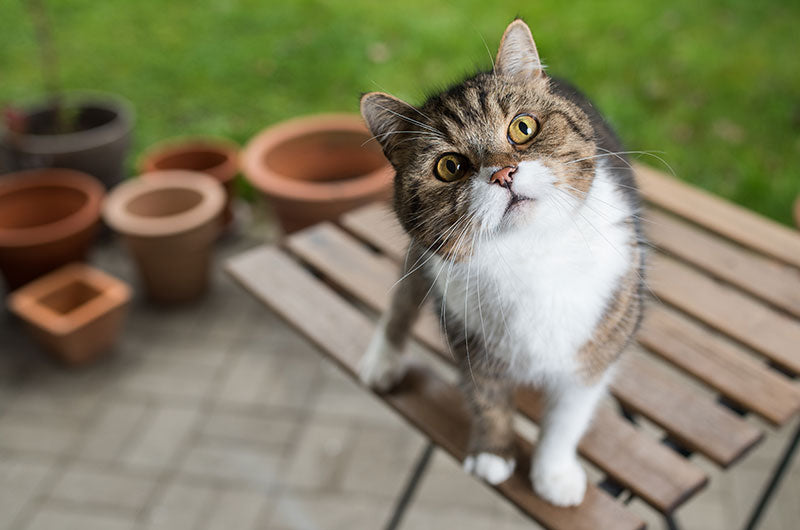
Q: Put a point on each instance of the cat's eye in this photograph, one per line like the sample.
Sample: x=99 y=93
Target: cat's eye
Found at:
x=523 y=129
x=451 y=167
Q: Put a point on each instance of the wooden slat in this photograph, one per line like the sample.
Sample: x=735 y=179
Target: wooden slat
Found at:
x=767 y=279
x=716 y=214
x=774 y=334
x=662 y=478
x=427 y=402
x=720 y=364
x=698 y=423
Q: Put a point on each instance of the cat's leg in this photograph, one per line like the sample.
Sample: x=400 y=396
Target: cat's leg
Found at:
x=491 y=443
x=556 y=473
x=382 y=365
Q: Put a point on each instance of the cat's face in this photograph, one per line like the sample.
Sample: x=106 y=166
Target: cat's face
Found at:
x=497 y=153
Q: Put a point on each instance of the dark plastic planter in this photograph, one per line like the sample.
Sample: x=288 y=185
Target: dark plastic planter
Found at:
x=99 y=146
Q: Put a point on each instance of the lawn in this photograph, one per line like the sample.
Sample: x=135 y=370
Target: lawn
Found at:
x=711 y=86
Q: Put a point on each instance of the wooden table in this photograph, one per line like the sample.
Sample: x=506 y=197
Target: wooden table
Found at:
x=726 y=314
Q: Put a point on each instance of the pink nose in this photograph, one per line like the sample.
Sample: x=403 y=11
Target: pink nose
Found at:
x=503 y=176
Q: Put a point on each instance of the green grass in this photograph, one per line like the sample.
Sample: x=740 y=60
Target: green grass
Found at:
x=712 y=86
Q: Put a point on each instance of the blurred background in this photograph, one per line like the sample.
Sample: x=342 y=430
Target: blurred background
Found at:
x=212 y=413
x=712 y=87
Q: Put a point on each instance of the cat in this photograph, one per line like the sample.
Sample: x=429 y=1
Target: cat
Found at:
x=522 y=214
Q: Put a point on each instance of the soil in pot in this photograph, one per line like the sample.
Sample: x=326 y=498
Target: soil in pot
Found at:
x=48 y=218
x=169 y=222
x=218 y=158
x=90 y=134
x=316 y=168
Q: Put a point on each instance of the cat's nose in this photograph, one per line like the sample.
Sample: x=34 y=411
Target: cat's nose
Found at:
x=503 y=176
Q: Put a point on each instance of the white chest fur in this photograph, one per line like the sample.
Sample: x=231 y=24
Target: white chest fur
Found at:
x=536 y=295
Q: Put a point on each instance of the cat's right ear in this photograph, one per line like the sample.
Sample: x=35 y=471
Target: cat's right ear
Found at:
x=385 y=116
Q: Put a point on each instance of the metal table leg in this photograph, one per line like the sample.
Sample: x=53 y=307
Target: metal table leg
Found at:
x=774 y=481
x=411 y=486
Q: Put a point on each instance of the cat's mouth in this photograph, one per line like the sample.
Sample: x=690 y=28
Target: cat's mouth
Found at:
x=515 y=201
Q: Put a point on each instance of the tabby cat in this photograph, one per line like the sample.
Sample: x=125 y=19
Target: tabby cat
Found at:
x=522 y=214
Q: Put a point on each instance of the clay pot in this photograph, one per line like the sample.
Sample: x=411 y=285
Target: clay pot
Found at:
x=218 y=158
x=76 y=312
x=48 y=217
x=317 y=167
x=169 y=222
x=98 y=145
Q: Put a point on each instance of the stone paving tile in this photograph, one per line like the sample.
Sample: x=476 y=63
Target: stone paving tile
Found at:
x=26 y=434
x=57 y=518
x=92 y=487
x=381 y=459
x=158 y=440
x=339 y=398
x=215 y=462
x=260 y=427
x=466 y=518
x=236 y=509
x=21 y=479
x=269 y=378
x=182 y=506
x=317 y=461
x=329 y=511
x=112 y=431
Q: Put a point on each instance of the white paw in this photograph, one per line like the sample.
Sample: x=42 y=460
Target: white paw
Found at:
x=562 y=483
x=382 y=366
x=491 y=468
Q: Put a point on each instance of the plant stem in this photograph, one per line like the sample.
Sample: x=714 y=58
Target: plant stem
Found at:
x=49 y=61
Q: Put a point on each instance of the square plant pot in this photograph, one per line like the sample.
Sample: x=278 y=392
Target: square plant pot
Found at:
x=76 y=311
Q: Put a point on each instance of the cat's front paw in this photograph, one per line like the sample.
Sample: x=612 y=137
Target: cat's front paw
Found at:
x=561 y=482
x=492 y=468
x=382 y=366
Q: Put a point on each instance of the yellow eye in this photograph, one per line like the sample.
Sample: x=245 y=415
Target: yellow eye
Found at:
x=523 y=129
x=451 y=167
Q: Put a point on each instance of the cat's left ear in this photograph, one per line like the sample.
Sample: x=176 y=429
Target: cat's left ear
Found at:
x=385 y=115
x=517 y=55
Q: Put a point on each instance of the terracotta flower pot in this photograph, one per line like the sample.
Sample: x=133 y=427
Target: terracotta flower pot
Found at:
x=169 y=223
x=316 y=168
x=98 y=144
x=76 y=311
x=218 y=158
x=48 y=217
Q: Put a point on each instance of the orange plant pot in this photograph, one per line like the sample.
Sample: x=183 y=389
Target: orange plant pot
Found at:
x=215 y=157
x=48 y=218
x=76 y=311
x=169 y=222
x=316 y=168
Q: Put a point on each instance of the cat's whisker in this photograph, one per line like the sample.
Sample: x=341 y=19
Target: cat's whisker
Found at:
x=417 y=134
x=411 y=120
x=418 y=265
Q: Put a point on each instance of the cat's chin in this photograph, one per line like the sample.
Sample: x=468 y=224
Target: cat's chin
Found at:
x=518 y=212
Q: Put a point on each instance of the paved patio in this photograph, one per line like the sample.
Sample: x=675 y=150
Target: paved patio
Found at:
x=218 y=416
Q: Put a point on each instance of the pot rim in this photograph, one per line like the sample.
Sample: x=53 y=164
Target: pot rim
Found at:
x=87 y=215
x=48 y=144
x=116 y=214
x=274 y=184
x=227 y=169
x=26 y=301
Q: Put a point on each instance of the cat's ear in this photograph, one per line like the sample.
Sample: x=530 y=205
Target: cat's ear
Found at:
x=385 y=115
x=517 y=55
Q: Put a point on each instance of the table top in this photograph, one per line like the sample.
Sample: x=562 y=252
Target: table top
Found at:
x=720 y=339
